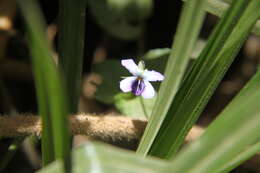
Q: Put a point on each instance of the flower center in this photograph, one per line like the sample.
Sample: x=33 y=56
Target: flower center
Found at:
x=138 y=86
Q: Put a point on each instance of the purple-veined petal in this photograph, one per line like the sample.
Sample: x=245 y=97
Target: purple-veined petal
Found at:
x=126 y=84
x=153 y=75
x=148 y=90
x=138 y=87
x=130 y=65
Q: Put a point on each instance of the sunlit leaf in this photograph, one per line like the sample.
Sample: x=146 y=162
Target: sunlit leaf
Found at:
x=50 y=88
x=235 y=129
x=201 y=82
x=96 y=157
x=188 y=28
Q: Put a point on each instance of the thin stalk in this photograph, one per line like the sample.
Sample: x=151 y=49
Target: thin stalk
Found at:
x=143 y=107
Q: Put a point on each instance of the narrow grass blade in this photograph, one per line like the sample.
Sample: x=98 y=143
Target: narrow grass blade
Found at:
x=240 y=158
x=218 y=8
x=205 y=75
x=49 y=85
x=236 y=128
x=71 y=46
x=47 y=143
x=187 y=32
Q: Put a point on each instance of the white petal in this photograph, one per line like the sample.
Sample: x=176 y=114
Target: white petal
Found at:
x=126 y=84
x=130 y=65
x=148 y=90
x=153 y=76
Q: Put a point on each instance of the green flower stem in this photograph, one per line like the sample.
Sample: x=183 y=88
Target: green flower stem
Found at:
x=143 y=107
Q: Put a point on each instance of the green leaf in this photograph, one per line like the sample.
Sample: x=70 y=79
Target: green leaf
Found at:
x=156 y=59
x=111 y=72
x=187 y=31
x=51 y=93
x=199 y=46
x=54 y=167
x=218 y=8
x=121 y=19
x=210 y=67
x=157 y=54
x=97 y=157
x=132 y=106
x=71 y=47
x=236 y=128
x=240 y=158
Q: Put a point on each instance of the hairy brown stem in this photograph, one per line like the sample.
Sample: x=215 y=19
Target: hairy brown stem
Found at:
x=108 y=128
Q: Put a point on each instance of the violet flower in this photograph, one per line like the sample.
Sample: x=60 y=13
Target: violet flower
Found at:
x=139 y=83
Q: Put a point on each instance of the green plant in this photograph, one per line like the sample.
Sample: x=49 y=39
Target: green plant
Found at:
x=229 y=140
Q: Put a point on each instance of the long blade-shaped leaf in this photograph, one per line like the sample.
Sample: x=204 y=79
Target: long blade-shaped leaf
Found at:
x=47 y=143
x=71 y=46
x=187 y=32
x=96 y=157
x=240 y=158
x=207 y=72
x=51 y=93
x=236 y=128
x=218 y=8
